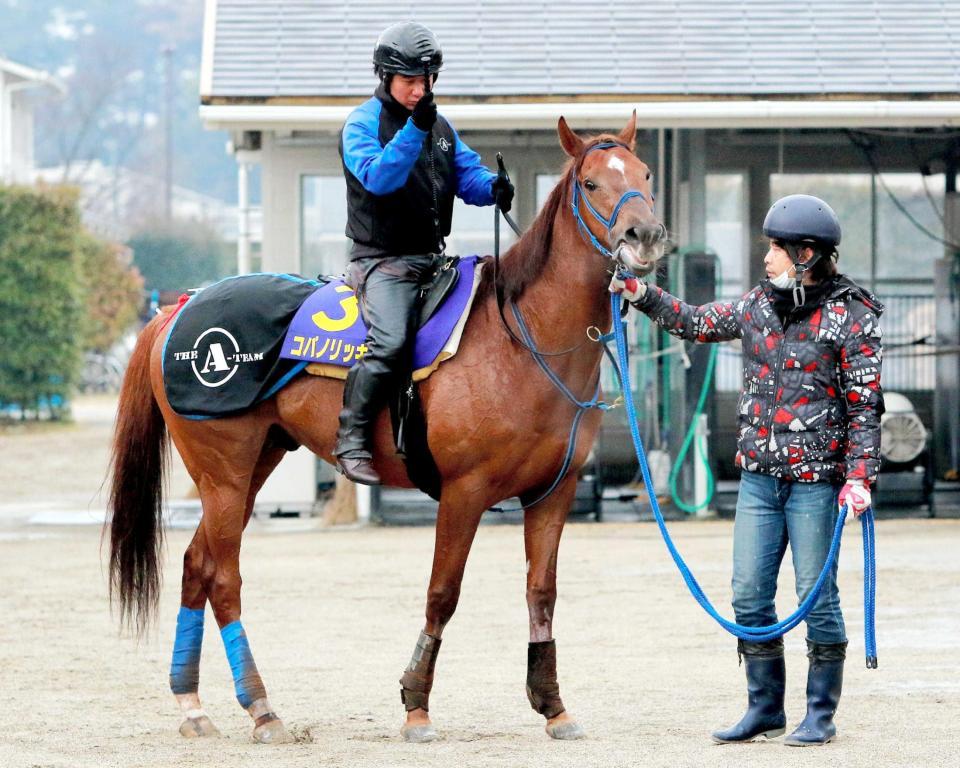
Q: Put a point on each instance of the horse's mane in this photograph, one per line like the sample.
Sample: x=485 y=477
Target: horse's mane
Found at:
x=526 y=259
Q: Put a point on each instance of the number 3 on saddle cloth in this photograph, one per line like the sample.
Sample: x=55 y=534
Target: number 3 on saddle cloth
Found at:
x=239 y=341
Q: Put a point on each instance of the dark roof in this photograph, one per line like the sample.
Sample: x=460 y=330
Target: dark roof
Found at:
x=498 y=49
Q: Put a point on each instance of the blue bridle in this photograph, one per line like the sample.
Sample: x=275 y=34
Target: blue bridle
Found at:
x=578 y=194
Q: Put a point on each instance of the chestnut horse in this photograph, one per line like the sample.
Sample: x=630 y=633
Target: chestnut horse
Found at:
x=497 y=428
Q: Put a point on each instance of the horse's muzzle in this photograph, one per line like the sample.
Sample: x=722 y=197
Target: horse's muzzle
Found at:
x=639 y=247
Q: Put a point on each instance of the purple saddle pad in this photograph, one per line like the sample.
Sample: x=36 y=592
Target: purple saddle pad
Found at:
x=328 y=328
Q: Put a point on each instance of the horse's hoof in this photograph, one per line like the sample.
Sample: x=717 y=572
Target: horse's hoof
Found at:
x=419 y=734
x=271 y=732
x=566 y=730
x=198 y=727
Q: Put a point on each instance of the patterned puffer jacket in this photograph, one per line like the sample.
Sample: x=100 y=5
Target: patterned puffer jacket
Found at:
x=811 y=401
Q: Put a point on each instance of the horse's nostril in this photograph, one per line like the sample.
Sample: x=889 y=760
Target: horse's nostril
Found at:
x=632 y=235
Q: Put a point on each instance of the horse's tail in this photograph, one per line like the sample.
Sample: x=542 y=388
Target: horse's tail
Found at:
x=140 y=454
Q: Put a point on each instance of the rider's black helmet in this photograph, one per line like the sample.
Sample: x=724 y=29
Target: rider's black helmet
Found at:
x=803 y=218
x=405 y=48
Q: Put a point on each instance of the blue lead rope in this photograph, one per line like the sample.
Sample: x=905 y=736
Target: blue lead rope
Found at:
x=773 y=631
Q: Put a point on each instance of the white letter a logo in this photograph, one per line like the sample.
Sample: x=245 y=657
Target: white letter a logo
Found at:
x=215 y=355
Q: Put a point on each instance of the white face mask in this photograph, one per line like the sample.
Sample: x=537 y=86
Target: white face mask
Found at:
x=783 y=281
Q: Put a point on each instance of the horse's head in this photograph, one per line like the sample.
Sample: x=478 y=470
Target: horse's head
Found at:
x=612 y=198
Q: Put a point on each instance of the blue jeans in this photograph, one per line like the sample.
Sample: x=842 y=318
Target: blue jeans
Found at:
x=771 y=512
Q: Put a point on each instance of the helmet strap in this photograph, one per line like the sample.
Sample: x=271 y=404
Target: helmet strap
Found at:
x=799 y=293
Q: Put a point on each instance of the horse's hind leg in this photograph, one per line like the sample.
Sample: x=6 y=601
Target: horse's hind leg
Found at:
x=185 y=666
x=197 y=561
x=457 y=520
x=542 y=526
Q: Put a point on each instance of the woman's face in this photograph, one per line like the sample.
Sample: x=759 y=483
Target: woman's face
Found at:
x=777 y=261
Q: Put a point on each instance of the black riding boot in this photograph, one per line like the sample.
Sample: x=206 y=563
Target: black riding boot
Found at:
x=360 y=398
x=766 y=681
x=824 y=683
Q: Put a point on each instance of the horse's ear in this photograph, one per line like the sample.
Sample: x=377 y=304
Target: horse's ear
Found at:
x=571 y=143
x=629 y=134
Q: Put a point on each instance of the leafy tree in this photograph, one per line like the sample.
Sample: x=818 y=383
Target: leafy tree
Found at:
x=113 y=292
x=180 y=255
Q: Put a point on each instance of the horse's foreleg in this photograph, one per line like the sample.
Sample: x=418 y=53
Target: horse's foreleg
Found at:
x=542 y=526
x=457 y=520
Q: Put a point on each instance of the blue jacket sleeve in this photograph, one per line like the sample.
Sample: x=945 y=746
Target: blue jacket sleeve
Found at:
x=381 y=170
x=474 y=181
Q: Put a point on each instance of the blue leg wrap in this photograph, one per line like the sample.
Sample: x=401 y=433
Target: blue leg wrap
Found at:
x=185 y=666
x=246 y=679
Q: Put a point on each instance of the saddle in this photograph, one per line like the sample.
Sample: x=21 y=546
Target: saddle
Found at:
x=441 y=285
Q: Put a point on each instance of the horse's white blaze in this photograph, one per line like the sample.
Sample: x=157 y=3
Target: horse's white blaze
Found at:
x=616 y=164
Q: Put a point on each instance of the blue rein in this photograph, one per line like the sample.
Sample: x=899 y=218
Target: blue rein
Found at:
x=772 y=631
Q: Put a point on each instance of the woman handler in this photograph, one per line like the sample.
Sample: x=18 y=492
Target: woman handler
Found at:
x=809 y=442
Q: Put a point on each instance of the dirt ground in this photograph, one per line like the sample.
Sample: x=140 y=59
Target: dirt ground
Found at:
x=333 y=616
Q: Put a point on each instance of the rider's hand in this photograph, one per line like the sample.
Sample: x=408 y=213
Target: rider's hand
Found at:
x=425 y=112
x=503 y=191
x=856 y=495
x=630 y=288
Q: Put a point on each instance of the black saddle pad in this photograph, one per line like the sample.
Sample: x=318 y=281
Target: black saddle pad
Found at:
x=222 y=353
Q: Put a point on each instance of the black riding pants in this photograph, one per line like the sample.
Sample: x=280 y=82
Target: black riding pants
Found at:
x=389 y=290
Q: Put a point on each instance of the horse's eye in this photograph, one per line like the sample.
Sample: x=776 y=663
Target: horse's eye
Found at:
x=589 y=185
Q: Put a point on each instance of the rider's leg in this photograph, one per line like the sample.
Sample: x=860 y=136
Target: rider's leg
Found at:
x=390 y=295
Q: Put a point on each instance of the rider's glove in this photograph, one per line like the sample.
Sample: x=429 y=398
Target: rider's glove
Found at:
x=856 y=495
x=630 y=288
x=425 y=112
x=503 y=191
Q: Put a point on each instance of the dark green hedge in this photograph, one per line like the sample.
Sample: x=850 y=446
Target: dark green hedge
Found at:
x=41 y=296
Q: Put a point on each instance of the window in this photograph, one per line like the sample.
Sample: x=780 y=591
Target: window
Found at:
x=849 y=195
x=323 y=217
x=727 y=230
x=903 y=251
x=472 y=230
x=545 y=184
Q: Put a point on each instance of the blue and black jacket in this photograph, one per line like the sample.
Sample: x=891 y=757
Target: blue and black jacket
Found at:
x=390 y=205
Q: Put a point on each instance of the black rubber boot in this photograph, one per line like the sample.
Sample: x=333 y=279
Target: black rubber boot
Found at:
x=824 y=683
x=766 y=681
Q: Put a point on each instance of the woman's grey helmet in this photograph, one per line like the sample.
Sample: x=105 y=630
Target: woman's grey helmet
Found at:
x=803 y=218
x=408 y=49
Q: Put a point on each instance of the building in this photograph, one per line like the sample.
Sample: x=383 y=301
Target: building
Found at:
x=18 y=89
x=738 y=103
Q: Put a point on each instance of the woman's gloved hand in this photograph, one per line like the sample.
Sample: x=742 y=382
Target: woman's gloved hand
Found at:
x=630 y=288
x=856 y=495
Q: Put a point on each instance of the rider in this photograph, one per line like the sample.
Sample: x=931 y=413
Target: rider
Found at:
x=809 y=442
x=403 y=164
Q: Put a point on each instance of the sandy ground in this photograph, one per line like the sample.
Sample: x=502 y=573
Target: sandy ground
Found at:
x=333 y=617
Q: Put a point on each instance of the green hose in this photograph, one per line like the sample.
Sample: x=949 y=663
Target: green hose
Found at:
x=701 y=449
x=691 y=432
